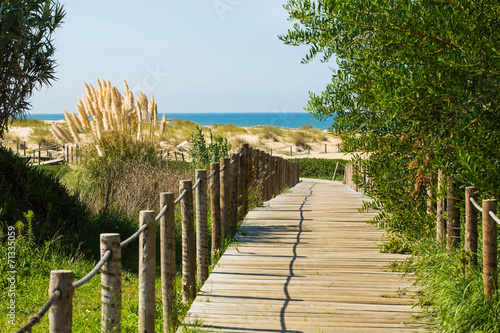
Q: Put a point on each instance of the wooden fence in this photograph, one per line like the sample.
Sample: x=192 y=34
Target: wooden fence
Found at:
x=446 y=209
x=231 y=182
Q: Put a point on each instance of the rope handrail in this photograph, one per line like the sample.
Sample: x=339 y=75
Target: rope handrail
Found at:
x=494 y=217
x=197 y=183
x=134 y=236
x=211 y=175
x=94 y=271
x=222 y=168
x=35 y=319
x=180 y=197
x=473 y=201
x=162 y=212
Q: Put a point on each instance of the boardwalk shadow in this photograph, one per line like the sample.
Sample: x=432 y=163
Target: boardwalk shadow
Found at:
x=292 y=262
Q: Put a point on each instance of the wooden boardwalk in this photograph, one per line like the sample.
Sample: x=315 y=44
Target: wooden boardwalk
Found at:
x=306 y=263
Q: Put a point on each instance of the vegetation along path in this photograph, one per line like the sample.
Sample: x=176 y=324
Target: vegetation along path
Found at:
x=307 y=262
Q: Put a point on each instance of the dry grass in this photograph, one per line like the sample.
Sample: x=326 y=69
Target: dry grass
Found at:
x=42 y=135
x=128 y=186
x=110 y=112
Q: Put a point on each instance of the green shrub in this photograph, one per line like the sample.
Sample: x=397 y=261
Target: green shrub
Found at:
x=320 y=168
x=202 y=154
x=25 y=187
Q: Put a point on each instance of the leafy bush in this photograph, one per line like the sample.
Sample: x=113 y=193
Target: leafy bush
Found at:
x=320 y=168
x=202 y=153
x=24 y=187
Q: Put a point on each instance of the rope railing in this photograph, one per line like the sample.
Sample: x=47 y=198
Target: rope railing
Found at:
x=35 y=319
x=212 y=174
x=132 y=238
x=473 y=201
x=228 y=199
x=180 y=197
x=198 y=182
x=491 y=213
x=94 y=271
x=161 y=213
x=494 y=217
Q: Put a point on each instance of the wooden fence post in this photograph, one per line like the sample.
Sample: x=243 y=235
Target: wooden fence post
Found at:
x=274 y=177
x=215 y=209
x=225 y=195
x=202 y=226
x=235 y=169
x=490 y=250
x=111 y=284
x=167 y=253
x=453 y=223
x=243 y=181
x=266 y=175
x=61 y=312
x=431 y=206
x=147 y=271
x=188 y=243
x=261 y=178
x=249 y=166
x=470 y=227
x=441 y=208
x=255 y=168
x=297 y=173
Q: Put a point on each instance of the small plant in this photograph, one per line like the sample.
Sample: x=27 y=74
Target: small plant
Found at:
x=202 y=153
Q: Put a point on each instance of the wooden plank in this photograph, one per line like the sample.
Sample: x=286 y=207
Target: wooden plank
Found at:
x=307 y=262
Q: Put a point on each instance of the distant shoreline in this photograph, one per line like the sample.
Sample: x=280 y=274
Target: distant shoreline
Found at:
x=278 y=119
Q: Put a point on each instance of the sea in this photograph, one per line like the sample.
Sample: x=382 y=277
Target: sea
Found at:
x=281 y=119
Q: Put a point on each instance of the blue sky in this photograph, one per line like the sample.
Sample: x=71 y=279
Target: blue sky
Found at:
x=193 y=56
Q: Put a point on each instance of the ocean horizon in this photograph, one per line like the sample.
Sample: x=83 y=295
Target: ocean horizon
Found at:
x=281 y=119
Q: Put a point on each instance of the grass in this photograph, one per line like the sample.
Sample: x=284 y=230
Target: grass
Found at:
x=450 y=294
x=320 y=168
x=29 y=122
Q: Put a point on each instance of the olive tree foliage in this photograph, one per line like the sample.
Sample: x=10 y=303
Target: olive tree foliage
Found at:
x=417 y=88
x=27 y=53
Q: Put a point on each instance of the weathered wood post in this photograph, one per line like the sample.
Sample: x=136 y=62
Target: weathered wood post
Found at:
x=235 y=170
x=274 y=183
x=431 y=205
x=24 y=147
x=453 y=214
x=225 y=195
x=249 y=165
x=262 y=175
x=490 y=249
x=202 y=256
x=297 y=166
x=215 y=208
x=470 y=227
x=243 y=181
x=167 y=264
x=61 y=311
x=255 y=171
x=188 y=243
x=111 y=284
x=441 y=208
x=147 y=271
x=267 y=178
